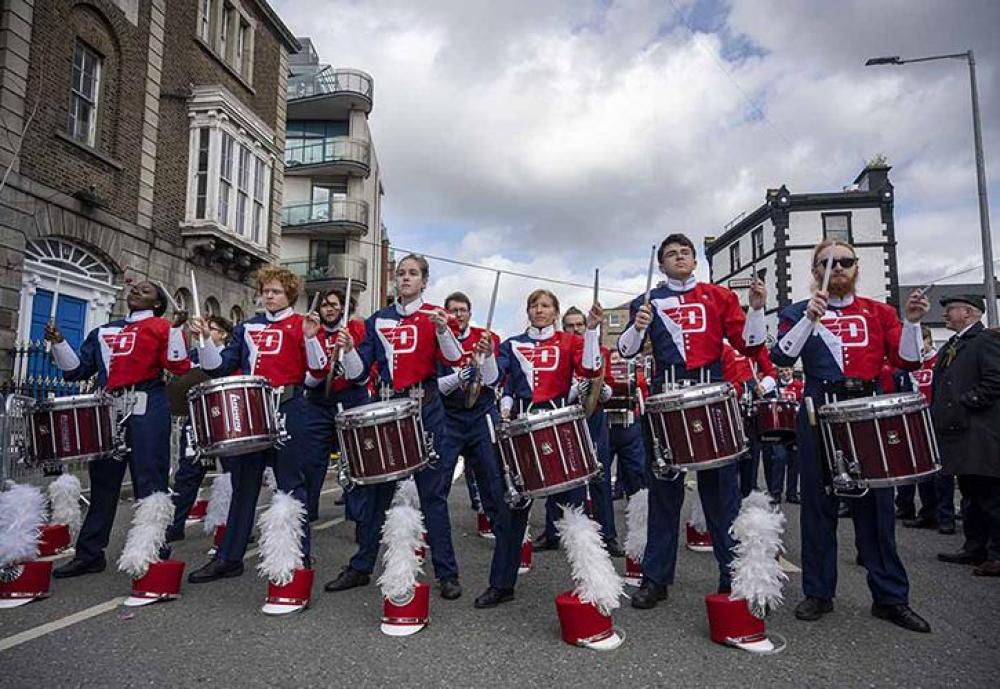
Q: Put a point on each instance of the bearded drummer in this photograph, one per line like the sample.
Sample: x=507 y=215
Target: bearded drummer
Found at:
x=129 y=357
x=282 y=346
x=538 y=367
x=843 y=340
x=686 y=321
x=326 y=396
x=407 y=340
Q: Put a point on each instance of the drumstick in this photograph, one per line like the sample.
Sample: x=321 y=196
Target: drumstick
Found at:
x=649 y=274
x=52 y=309
x=827 y=271
x=345 y=314
x=597 y=285
x=173 y=302
x=197 y=306
x=315 y=303
x=493 y=302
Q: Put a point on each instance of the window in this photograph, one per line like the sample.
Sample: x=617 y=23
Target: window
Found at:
x=734 y=257
x=319 y=251
x=84 y=93
x=306 y=140
x=205 y=13
x=227 y=30
x=259 y=189
x=614 y=320
x=225 y=178
x=202 y=174
x=243 y=191
x=757 y=239
x=837 y=226
x=236 y=315
x=212 y=307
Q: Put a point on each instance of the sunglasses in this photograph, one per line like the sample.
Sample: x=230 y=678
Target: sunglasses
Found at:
x=844 y=263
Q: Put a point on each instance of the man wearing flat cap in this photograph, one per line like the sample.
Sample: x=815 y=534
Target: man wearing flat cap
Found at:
x=966 y=414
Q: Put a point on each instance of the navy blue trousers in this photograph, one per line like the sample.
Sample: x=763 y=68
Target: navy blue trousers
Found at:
x=937 y=498
x=187 y=481
x=874 y=530
x=627 y=447
x=148 y=462
x=247 y=473
x=600 y=487
x=321 y=431
x=433 y=486
x=792 y=470
x=720 y=499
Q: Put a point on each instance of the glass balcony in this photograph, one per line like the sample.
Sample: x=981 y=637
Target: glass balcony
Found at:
x=347 y=214
x=332 y=271
x=327 y=92
x=332 y=155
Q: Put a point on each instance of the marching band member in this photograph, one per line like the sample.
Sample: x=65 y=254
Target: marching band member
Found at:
x=539 y=366
x=843 y=339
x=325 y=397
x=407 y=340
x=470 y=433
x=686 y=321
x=600 y=490
x=190 y=473
x=129 y=357
x=283 y=347
x=790 y=388
x=627 y=446
x=754 y=379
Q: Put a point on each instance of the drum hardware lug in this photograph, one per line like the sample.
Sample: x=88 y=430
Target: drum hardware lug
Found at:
x=343 y=475
x=660 y=469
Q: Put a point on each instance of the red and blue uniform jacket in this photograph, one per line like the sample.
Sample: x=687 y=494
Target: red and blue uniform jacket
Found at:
x=540 y=371
x=274 y=348
x=130 y=352
x=342 y=391
x=792 y=391
x=454 y=402
x=921 y=380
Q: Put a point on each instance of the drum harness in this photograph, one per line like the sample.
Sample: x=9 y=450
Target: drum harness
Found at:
x=841 y=484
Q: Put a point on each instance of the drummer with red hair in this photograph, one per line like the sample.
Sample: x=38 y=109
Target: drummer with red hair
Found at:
x=538 y=366
x=843 y=341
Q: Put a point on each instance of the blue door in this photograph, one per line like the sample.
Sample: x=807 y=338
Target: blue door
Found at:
x=71 y=315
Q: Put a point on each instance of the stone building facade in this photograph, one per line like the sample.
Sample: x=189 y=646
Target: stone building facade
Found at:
x=141 y=139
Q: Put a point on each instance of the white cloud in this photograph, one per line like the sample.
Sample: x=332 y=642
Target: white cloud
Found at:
x=563 y=135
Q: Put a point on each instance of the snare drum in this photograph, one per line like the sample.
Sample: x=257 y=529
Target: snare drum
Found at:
x=774 y=420
x=620 y=408
x=880 y=441
x=695 y=428
x=548 y=452
x=77 y=428
x=234 y=416
x=382 y=441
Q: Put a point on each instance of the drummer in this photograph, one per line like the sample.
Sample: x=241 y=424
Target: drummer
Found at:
x=407 y=340
x=283 y=347
x=325 y=398
x=754 y=379
x=191 y=472
x=539 y=366
x=686 y=321
x=626 y=442
x=129 y=357
x=856 y=335
x=790 y=389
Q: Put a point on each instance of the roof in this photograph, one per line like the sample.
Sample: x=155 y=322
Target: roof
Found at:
x=936 y=315
x=283 y=31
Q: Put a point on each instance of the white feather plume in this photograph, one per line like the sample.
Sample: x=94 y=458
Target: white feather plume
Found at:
x=22 y=515
x=282 y=526
x=64 y=499
x=757 y=575
x=637 y=520
x=406 y=494
x=153 y=514
x=218 y=502
x=402 y=535
x=698 y=520
x=595 y=577
x=270 y=480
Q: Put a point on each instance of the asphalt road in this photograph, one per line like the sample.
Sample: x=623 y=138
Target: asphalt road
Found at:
x=214 y=636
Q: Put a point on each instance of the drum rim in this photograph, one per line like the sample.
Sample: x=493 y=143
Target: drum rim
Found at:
x=892 y=481
x=226 y=383
x=560 y=488
x=377 y=412
x=75 y=459
x=690 y=397
x=98 y=399
x=779 y=402
x=393 y=476
x=873 y=407
x=267 y=440
x=543 y=418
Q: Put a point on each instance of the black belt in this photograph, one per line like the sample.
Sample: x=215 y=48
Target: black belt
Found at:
x=426 y=391
x=849 y=387
x=145 y=386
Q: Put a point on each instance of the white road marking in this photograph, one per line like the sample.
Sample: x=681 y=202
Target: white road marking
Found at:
x=62 y=623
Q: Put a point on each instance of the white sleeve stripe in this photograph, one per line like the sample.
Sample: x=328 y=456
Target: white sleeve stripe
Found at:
x=315 y=354
x=755 y=328
x=910 y=342
x=795 y=339
x=176 y=349
x=66 y=358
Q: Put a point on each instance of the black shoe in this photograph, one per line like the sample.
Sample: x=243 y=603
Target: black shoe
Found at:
x=963 y=557
x=648 y=595
x=905 y=513
x=843 y=511
x=339 y=500
x=901 y=616
x=614 y=548
x=921 y=523
x=174 y=534
x=216 y=568
x=947 y=529
x=492 y=597
x=543 y=542
x=77 y=567
x=793 y=498
x=450 y=588
x=348 y=578
x=811 y=609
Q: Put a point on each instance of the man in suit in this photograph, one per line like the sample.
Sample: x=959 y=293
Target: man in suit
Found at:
x=966 y=414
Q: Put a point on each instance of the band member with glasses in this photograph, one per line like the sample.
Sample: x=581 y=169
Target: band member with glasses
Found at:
x=843 y=341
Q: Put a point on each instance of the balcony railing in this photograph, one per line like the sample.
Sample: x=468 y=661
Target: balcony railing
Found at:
x=341 y=212
x=331 y=81
x=331 y=151
x=336 y=267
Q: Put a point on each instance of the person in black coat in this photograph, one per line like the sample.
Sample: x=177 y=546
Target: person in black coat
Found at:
x=966 y=415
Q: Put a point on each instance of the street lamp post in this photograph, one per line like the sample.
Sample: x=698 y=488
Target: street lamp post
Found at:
x=989 y=276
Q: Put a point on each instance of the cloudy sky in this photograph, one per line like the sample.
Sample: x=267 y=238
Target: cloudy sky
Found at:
x=554 y=136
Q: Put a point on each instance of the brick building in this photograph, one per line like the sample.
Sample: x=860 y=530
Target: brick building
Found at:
x=153 y=140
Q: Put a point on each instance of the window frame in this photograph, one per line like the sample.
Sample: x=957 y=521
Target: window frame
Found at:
x=77 y=96
x=757 y=248
x=735 y=260
x=231 y=32
x=838 y=214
